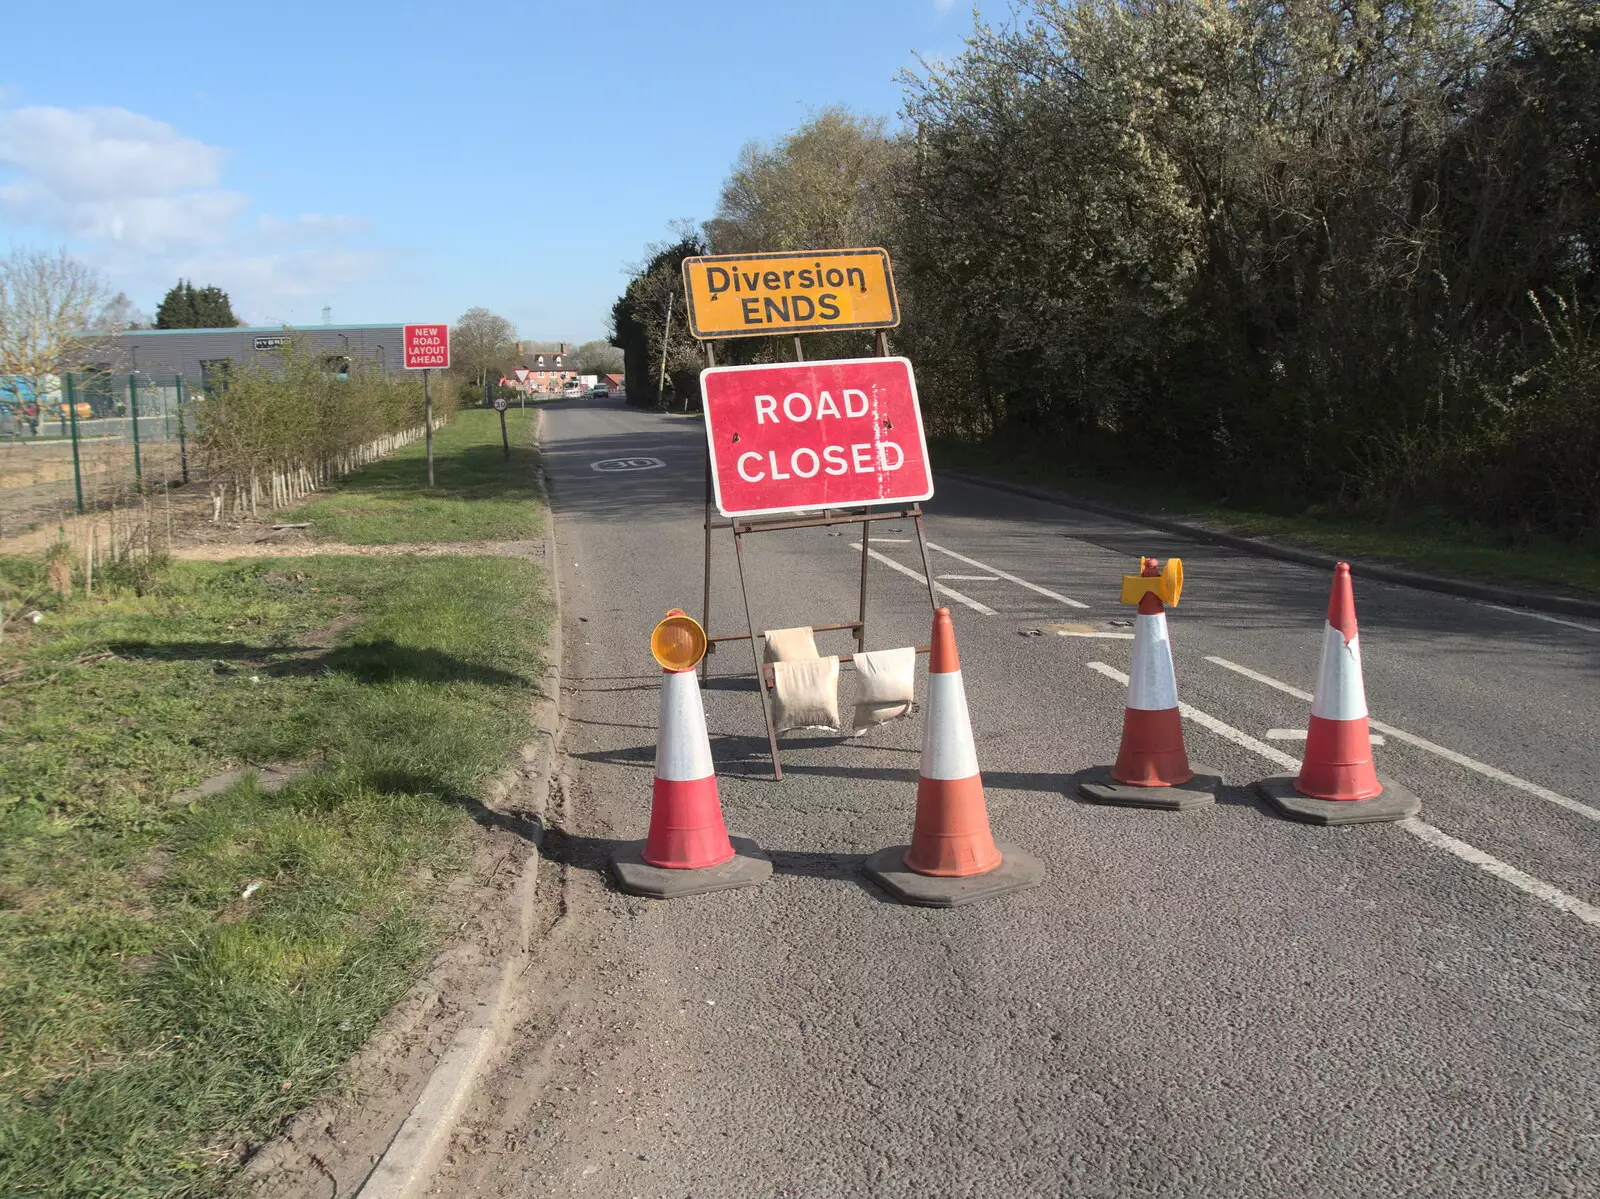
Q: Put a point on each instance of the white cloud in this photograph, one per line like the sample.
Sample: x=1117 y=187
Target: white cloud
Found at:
x=148 y=204
x=312 y=225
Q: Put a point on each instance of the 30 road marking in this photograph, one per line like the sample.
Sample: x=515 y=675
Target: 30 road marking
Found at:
x=1300 y=735
x=1449 y=755
x=1010 y=578
x=1571 y=624
x=1471 y=854
x=923 y=579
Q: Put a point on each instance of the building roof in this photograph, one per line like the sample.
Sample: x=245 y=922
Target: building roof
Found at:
x=259 y=329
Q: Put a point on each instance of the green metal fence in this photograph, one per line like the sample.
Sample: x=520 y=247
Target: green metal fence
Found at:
x=99 y=441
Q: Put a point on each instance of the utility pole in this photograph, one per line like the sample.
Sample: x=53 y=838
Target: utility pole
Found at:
x=661 y=384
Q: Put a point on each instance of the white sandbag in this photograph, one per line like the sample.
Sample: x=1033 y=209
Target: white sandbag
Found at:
x=885 y=686
x=790 y=645
x=807 y=694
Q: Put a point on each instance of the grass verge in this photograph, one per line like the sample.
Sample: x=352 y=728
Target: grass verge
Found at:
x=154 y=1020
x=1430 y=541
x=479 y=493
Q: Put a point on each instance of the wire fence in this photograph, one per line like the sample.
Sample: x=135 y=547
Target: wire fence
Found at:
x=94 y=444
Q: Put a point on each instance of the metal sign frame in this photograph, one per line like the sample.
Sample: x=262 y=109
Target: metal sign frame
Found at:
x=743 y=527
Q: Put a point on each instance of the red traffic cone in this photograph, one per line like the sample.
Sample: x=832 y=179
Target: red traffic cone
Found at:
x=1338 y=782
x=953 y=858
x=686 y=828
x=1152 y=768
x=688 y=850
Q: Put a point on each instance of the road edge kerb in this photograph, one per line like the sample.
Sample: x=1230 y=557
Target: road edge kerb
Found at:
x=1535 y=600
x=407 y=1165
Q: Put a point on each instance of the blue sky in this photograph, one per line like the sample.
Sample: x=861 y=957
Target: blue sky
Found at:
x=403 y=161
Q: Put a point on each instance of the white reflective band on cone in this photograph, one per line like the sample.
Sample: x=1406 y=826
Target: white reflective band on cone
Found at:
x=683 y=751
x=947 y=751
x=1151 y=685
x=1341 y=694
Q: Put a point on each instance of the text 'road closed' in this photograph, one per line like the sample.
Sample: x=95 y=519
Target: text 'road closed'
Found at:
x=803 y=436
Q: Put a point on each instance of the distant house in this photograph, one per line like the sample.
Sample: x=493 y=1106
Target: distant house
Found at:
x=549 y=370
x=612 y=382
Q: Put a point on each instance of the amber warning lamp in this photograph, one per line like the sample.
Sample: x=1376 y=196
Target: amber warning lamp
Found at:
x=1166 y=586
x=678 y=642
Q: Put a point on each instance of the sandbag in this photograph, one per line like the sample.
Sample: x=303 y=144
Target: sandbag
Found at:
x=807 y=694
x=789 y=645
x=885 y=687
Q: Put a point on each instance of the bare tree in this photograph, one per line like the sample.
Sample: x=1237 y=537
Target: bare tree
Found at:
x=48 y=303
x=482 y=343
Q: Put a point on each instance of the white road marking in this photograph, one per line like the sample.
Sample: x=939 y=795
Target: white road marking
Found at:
x=1571 y=624
x=995 y=570
x=891 y=541
x=1100 y=636
x=971 y=578
x=1300 y=735
x=1225 y=731
x=1449 y=755
x=923 y=579
x=1538 y=888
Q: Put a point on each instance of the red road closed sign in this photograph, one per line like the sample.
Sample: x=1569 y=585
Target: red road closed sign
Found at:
x=807 y=435
x=427 y=347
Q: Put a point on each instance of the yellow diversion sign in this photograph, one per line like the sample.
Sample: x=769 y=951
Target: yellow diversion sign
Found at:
x=806 y=291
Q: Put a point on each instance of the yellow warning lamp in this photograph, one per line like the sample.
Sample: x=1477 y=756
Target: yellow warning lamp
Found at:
x=1166 y=586
x=678 y=642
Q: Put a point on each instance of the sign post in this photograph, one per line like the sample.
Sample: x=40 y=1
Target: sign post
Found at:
x=427 y=347
x=500 y=407
x=805 y=444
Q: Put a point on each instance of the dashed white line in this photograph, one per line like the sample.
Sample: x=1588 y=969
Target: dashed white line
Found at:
x=1449 y=755
x=1092 y=633
x=1010 y=578
x=1207 y=721
x=970 y=578
x=1538 y=888
x=1471 y=854
x=1571 y=624
x=923 y=579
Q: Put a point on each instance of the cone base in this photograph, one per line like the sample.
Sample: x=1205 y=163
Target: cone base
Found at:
x=749 y=867
x=1393 y=803
x=1097 y=786
x=1018 y=871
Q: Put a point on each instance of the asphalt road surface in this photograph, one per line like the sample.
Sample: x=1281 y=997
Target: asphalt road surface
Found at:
x=1213 y=1003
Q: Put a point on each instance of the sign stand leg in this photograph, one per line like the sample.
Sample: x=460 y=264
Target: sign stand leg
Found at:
x=927 y=565
x=705 y=595
x=866 y=541
x=755 y=653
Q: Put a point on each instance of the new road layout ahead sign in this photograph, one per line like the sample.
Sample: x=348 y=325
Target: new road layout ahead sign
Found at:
x=806 y=435
x=427 y=347
x=807 y=291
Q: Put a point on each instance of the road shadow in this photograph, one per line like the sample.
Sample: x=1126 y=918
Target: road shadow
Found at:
x=382 y=661
x=594 y=855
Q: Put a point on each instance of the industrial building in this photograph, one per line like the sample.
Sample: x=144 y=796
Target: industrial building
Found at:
x=201 y=356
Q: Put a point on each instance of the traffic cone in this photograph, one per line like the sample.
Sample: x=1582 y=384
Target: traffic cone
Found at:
x=688 y=850
x=953 y=858
x=1338 y=782
x=1152 y=768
